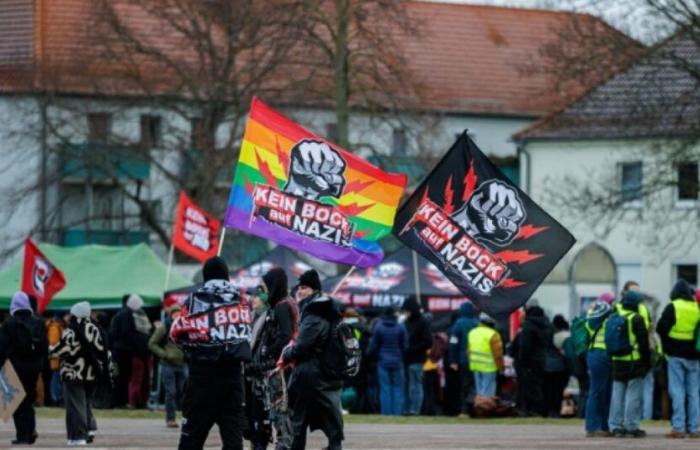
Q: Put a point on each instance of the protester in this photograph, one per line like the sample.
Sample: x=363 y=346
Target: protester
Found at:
x=54 y=330
x=629 y=368
x=23 y=341
x=535 y=336
x=389 y=343
x=485 y=355
x=172 y=365
x=420 y=339
x=277 y=329
x=214 y=390
x=677 y=327
x=556 y=374
x=123 y=351
x=458 y=355
x=433 y=370
x=84 y=358
x=599 y=369
x=359 y=383
x=314 y=395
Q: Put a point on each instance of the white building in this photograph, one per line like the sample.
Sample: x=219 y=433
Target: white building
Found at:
x=619 y=169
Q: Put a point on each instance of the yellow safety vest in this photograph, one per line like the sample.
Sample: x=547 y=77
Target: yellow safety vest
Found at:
x=635 y=355
x=598 y=341
x=643 y=311
x=687 y=317
x=480 y=355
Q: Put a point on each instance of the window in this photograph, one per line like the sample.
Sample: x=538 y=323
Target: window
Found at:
x=99 y=127
x=689 y=272
x=332 y=132
x=631 y=182
x=399 y=142
x=150 y=131
x=688 y=181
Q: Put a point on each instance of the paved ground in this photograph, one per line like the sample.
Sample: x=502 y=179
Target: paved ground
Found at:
x=150 y=433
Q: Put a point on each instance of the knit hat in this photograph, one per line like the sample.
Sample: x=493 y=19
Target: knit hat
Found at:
x=81 y=310
x=311 y=279
x=20 y=301
x=134 y=303
x=599 y=309
x=631 y=299
x=485 y=318
x=607 y=297
x=215 y=269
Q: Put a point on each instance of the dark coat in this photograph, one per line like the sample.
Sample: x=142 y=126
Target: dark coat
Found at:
x=314 y=399
x=536 y=336
x=8 y=342
x=675 y=347
x=389 y=343
x=126 y=339
x=420 y=339
x=459 y=332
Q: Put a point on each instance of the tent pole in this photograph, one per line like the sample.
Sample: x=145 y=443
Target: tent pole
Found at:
x=221 y=241
x=171 y=253
x=342 y=280
x=416 y=276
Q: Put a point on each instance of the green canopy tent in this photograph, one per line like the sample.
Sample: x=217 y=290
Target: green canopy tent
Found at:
x=100 y=274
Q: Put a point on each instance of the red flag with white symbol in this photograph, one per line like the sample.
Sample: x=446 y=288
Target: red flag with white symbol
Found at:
x=40 y=277
x=195 y=232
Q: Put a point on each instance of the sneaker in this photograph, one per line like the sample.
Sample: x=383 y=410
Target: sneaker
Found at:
x=675 y=435
x=172 y=424
x=619 y=432
x=599 y=433
x=637 y=433
x=75 y=443
x=694 y=435
x=91 y=437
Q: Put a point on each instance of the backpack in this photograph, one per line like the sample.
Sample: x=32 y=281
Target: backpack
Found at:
x=342 y=355
x=580 y=337
x=31 y=340
x=617 y=340
x=574 y=362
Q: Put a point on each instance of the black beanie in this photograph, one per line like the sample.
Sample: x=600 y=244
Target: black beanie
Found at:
x=215 y=269
x=310 y=278
x=276 y=281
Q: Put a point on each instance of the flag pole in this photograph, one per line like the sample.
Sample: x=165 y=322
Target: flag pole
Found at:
x=171 y=253
x=416 y=276
x=342 y=280
x=221 y=241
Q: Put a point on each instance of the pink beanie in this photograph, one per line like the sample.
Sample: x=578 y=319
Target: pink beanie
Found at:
x=607 y=297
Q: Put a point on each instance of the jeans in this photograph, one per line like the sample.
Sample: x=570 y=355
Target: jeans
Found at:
x=390 y=391
x=684 y=386
x=174 y=385
x=485 y=383
x=598 y=401
x=414 y=393
x=56 y=388
x=626 y=405
x=648 y=396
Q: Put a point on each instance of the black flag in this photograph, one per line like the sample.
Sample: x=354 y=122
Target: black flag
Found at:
x=489 y=238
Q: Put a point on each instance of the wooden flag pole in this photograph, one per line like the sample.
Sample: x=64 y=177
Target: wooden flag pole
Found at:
x=221 y=241
x=171 y=253
x=342 y=280
x=416 y=276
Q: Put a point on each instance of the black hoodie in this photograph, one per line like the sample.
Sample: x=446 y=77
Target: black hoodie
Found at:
x=673 y=347
x=280 y=324
x=535 y=336
x=420 y=339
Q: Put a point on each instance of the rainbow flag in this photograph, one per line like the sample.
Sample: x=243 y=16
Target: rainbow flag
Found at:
x=296 y=188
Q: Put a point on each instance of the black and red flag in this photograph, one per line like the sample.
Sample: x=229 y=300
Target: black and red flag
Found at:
x=486 y=235
x=40 y=277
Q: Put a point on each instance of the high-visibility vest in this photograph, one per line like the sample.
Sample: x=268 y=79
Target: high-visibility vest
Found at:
x=643 y=311
x=634 y=355
x=687 y=317
x=598 y=341
x=480 y=355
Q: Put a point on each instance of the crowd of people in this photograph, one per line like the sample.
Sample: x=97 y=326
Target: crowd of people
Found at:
x=269 y=364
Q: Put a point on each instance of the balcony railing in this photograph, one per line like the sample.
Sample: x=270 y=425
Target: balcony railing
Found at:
x=75 y=237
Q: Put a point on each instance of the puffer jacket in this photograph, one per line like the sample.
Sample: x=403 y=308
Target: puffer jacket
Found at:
x=164 y=348
x=389 y=343
x=82 y=351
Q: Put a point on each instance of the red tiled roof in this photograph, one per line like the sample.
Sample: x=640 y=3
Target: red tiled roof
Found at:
x=467 y=58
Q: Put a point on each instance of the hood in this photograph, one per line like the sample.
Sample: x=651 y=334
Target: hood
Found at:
x=540 y=322
x=389 y=321
x=212 y=294
x=682 y=290
x=20 y=302
x=276 y=282
x=412 y=307
x=466 y=310
x=322 y=305
x=631 y=300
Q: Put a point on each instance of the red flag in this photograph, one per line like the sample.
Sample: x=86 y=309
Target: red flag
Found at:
x=195 y=232
x=40 y=277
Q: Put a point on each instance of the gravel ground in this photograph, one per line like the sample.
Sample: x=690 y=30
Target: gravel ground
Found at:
x=151 y=433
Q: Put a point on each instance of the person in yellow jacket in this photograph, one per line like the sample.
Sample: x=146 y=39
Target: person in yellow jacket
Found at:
x=485 y=350
x=54 y=330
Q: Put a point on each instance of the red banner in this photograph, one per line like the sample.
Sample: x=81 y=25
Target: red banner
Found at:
x=196 y=232
x=40 y=277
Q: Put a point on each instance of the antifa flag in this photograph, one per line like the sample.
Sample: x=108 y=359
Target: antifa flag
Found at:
x=195 y=232
x=304 y=192
x=489 y=238
x=40 y=278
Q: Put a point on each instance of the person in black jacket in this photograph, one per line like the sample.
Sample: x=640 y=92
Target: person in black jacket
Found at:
x=314 y=397
x=214 y=332
x=534 y=339
x=123 y=353
x=23 y=341
x=420 y=339
x=269 y=385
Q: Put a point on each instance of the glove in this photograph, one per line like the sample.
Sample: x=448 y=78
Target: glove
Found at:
x=287 y=355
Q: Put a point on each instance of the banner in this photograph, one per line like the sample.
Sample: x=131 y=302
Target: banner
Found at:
x=302 y=191
x=40 y=278
x=489 y=238
x=195 y=232
x=11 y=391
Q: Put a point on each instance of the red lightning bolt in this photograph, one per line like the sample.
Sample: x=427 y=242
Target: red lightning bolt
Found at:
x=359 y=234
x=357 y=186
x=449 y=196
x=265 y=171
x=517 y=256
x=510 y=283
x=469 y=182
x=353 y=209
x=249 y=186
x=527 y=231
x=282 y=157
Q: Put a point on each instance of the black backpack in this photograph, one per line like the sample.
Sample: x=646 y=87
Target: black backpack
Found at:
x=31 y=340
x=341 y=355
